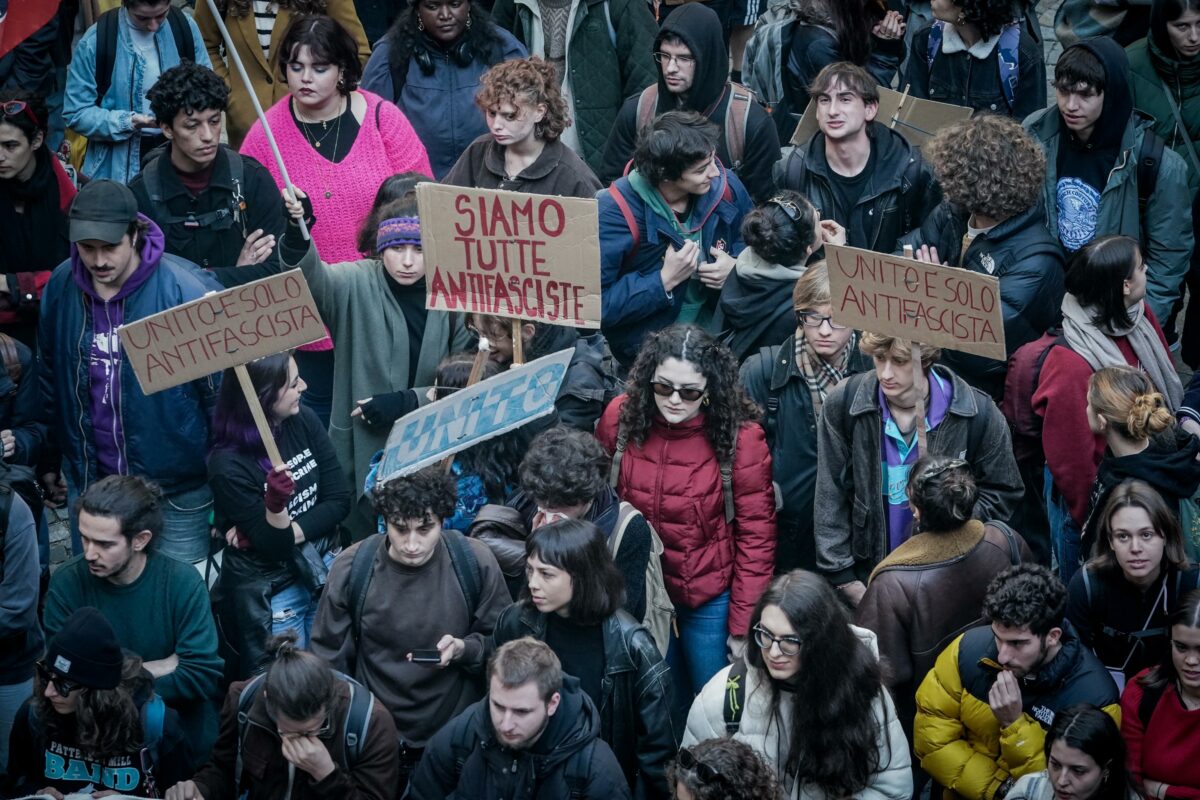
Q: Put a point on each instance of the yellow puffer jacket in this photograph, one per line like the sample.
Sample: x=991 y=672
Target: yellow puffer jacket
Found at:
x=957 y=737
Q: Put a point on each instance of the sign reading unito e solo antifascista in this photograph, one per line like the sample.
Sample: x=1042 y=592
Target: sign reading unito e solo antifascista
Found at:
x=510 y=254
x=221 y=330
x=933 y=304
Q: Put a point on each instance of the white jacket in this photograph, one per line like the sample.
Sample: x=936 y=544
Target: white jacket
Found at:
x=706 y=720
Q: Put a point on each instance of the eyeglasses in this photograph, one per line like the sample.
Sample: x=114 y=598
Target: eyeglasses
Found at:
x=811 y=319
x=320 y=733
x=14 y=107
x=707 y=773
x=788 y=645
x=61 y=685
x=666 y=390
x=666 y=58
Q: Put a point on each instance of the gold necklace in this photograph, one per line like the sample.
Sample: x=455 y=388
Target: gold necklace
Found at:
x=316 y=143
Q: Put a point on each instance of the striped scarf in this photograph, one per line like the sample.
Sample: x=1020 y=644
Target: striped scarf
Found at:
x=819 y=374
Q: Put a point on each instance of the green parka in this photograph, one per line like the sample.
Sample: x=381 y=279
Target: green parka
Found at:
x=1151 y=74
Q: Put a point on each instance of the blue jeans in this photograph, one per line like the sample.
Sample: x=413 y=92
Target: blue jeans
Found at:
x=187 y=517
x=11 y=698
x=698 y=652
x=293 y=608
x=1064 y=532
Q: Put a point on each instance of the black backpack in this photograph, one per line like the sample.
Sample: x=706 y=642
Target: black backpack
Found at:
x=106 y=45
x=575 y=771
x=233 y=213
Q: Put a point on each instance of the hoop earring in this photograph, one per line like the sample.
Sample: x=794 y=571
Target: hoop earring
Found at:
x=468 y=19
x=420 y=25
x=705 y=401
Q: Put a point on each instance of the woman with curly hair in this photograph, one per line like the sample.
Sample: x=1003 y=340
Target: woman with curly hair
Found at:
x=979 y=54
x=87 y=726
x=256 y=29
x=689 y=454
x=430 y=64
x=722 y=769
x=809 y=696
x=523 y=150
x=991 y=173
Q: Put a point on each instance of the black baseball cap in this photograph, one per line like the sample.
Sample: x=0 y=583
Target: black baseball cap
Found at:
x=103 y=210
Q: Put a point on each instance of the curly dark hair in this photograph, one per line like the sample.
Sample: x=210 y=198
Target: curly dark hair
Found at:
x=728 y=404
x=482 y=36
x=772 y=233
x=426 y=495
x=241 y=8
x=564 y=467
x=1028 y=594
x=744 y=774
x=187 y=87
x=531 y=81
x=989 y=16
x=989 y=165
x=832 y=741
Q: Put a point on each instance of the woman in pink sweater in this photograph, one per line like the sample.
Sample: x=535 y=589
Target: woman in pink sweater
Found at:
x=339 y=143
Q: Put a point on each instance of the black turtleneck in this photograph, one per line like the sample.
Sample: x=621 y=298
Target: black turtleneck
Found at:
x=411 y=300
x=580 y=648
x=35 y=239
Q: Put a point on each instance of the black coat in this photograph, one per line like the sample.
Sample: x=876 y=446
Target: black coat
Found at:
x=465 y=761
x=1030 y=265
x=635 y=711
x=900 y=192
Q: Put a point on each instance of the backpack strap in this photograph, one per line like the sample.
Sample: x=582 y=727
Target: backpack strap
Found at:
x=181 y=31
x=245 y=701
x=398 y=67
x=1149 y=702
x=1014 y=549
x=614 y=471
x=358 y=719
x=466 y=569
x=735 y=696
x=154 y=712
x=1008 y=54
x=727 y=491
x=647 y=104
x=577 y=770
x=625 y=513
x=461 y=745
x=935 y=42
x=11 y=357
x=156 y=188
x=612 y=32
x=1087 y=586
x=627 y=213
x=106 y=51
x=360 y=580
x=1149 y=157
x=737 y=118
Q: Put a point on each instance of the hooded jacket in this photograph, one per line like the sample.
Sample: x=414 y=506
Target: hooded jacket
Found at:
x=1027 y=260
x=755 y=310
x=1152 y=74
x=1101 y=178
x=163 y=436
x=958 y=738
x=698 y=27
x=466 y=761
x=899 y=194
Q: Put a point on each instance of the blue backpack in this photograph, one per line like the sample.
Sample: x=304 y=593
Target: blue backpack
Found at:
x=1007 y=54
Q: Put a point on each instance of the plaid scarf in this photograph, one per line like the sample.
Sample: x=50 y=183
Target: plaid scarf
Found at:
x=819 y=374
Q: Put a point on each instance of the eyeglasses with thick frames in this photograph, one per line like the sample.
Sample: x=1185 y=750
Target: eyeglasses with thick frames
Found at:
x=707 y=773
x=666 y=390
x=788 y=645
x=63 y=686
x=811 y=319
x=320 y=733
x=666 y=58
x=14 y=107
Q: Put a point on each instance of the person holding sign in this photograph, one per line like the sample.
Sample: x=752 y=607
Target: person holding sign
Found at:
x=523 y=151
x=865 y=511
x=689 y=454
x=376 y=309
x=660 y=226
x=860 y=173
x=1106 y=322
x=283 y=535
x=991 y=222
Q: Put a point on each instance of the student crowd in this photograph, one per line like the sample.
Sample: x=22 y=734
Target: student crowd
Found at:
x=753 y=553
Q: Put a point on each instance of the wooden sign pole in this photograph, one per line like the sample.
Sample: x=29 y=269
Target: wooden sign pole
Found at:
x=518 y=344
x=260 y=419
x=918 y=372
x=481 y=358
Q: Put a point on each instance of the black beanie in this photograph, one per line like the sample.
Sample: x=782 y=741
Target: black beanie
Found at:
x=85 y=650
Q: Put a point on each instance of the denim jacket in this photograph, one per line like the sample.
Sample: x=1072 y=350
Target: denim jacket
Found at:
x=114 y=147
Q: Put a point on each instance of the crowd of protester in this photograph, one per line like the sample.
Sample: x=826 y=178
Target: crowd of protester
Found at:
x=752 y=552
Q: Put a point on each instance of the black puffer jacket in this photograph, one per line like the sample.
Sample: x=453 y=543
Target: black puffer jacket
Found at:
x=465 y=761
x=1030 y=265
x=635 y=711
x=899 y=194
x=588 y=385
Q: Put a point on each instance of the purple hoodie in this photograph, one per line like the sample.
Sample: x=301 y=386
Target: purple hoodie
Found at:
x=104 y=362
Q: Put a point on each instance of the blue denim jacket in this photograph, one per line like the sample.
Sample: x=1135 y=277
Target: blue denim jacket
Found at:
x=114 y=148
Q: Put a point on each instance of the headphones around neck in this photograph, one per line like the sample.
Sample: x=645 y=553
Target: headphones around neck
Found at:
x=461 y=53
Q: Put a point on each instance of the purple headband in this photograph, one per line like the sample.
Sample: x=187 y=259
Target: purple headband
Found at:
x=397 y=232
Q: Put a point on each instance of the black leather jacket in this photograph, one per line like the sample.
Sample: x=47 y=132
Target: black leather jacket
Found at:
x=635 y=709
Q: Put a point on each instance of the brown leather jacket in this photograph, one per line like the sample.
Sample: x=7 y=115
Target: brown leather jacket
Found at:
x=928 y=591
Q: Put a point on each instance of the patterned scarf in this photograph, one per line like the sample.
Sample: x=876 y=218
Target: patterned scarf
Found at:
x=819 y=374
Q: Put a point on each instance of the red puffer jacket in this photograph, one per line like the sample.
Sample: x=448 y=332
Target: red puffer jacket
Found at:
x=675 y=481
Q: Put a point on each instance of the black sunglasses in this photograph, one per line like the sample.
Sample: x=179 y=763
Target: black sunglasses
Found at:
x=61 y=685
x=666 y=390
x=707 y=773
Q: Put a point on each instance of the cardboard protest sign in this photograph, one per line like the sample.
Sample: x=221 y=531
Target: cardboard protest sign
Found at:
x=220 y=330
x=915 y=119
x=473 y=415
x=511 y=254
x=947 y=307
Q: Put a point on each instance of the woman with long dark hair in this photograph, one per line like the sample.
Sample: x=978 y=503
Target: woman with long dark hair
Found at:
x=1085 y=760
x=429 y=65
x=94 y=722
x=1158 y=713
x=811 y=698
x=689 y=454
x=573 y=603
x=282 y=538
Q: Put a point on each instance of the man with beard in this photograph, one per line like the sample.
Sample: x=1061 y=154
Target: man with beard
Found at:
x=984 y=708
